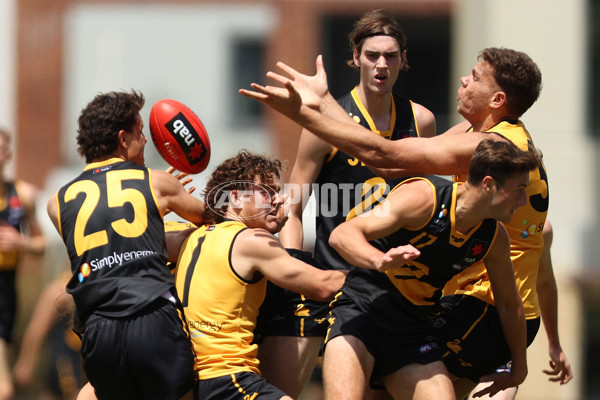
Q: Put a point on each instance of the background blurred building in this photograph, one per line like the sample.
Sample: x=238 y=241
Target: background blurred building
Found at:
x=55 y=56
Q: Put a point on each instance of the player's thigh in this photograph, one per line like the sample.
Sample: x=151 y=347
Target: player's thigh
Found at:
x=506 y=394
x=420 y=382
x=463 y=386
x=288 y=361
x=347 y=366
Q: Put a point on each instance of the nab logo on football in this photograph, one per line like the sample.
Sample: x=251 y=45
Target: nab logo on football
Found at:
x=179 y=136
x=187 y=137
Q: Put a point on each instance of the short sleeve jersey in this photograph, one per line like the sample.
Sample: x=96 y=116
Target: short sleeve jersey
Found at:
x=346 y=187
x=114 y=234
x=220 y=306
x=524 y=230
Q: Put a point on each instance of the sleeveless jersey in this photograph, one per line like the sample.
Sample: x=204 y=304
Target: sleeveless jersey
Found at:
x=445 y=252
x=220 y=307
x=114 y=234
x=345 y=187
x=524 y=231
x=12 y=212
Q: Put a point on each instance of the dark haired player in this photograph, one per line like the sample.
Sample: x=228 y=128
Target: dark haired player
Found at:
x=110 y=218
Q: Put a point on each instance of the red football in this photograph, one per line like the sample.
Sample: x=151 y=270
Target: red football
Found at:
x=179 y=136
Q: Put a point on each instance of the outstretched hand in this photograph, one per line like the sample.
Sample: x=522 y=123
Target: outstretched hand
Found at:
x=182 y=177
x=298 y=90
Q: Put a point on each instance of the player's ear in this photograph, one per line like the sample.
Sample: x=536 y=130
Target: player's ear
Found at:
x=123 y=139
x=234 y=199
x=498 y=100
x=403 y=60
x=356 y=58
x=488 y=183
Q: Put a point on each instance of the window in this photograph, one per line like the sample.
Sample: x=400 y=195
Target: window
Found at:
x=246 y=67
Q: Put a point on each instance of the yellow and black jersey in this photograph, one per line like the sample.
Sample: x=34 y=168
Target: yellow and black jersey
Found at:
x=113 y=230
x=345 y=186
x=220 y=307
x=525 y=232
x=445 y=252
x=12 y=213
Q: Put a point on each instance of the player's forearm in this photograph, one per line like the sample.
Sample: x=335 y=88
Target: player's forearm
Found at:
x=512 y=319
x=34 y=244
x=346 y=135
x=354 y=248
x=548 y=299
x=292 y=236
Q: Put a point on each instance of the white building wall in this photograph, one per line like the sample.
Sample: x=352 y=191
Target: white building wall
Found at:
x=182 y=52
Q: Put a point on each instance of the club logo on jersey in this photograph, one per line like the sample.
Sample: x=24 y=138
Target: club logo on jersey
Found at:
x=529 y=231
x=84 y=272
x=15 y=211
x=476 y=251
x=187 y=137
x=458 y=267
x=100 y=170
x=356 y=118
x=426 y=348
x=439 y=223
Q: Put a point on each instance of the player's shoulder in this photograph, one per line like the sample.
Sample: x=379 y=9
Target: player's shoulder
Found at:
x=416 y=193
x=27 y=191
x=257 y=246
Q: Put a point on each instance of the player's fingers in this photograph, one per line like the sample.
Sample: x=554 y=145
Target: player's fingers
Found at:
x=278 y=78
x=170 y=170
x=567 y=378
x=319 y=64
x=253 y=95
x=192 y=190
x=555 y=368
x=490 y=390
x=184 y=181
x=287 y=69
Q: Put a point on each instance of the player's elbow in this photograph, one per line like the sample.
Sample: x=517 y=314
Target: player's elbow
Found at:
x=336 y=238
x=332 y=282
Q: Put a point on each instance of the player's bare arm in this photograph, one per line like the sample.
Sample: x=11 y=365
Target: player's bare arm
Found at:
x=298 y=100
x=425 y=121
x=560 y=367
x=52 y=210
x=410 y=205
x=172 y=195
x=312 y=152
x=256 y=251
x=510 y=310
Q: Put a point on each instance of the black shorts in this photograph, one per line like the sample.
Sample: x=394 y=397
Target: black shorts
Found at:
x=8 y=304
x=395 y=339
x=146 y=355
x=471 y=337
x=240 y=386
x=286 y=313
